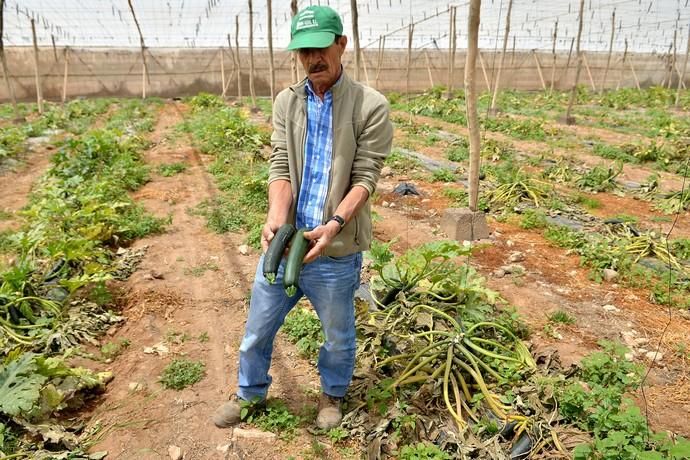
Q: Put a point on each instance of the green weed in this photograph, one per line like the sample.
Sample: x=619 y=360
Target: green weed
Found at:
x=423 y=451
x=111 y=350
x=170 y=169
x=400 y=162
x=458 y=196
x=443 y=175
x=561 y=317
x=276 y=418
x=303 y=328
x=587 y=202
x=199 y=270
x=533 y=218
x=181 y=373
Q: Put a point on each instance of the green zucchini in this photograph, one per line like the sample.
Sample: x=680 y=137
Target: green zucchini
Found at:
x=275 y=251
x=298 y=249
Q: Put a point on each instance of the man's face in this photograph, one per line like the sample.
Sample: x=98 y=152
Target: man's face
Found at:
x=322 y=65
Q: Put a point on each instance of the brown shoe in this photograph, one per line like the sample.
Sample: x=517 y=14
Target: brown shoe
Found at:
x=230 y=413
x=330 y=413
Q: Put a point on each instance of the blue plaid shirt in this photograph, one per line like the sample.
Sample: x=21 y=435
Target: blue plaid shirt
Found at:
x=318 y=152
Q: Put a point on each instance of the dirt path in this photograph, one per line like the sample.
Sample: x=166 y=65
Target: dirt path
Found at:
x=191 y=284
x=15 y=185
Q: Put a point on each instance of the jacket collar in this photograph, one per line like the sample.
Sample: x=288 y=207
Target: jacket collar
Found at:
x=300 y=88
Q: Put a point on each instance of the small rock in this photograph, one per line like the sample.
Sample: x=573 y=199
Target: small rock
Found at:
x=158 y=349
x=426 y=200
x=516 y=256
x=629 y=356
x=157 y=275
x=175 y=453
x=223 y=448
x=386 y=171
x=136 y=386
x=638 y=342
x=385 y=204
x=609 y=274
x=499 y=273
x=643 y=351
x=654 y=356
x=513 y=269
x=244 y=249
x=392 y=205
x=510 y=243
x=121 y=251
x=240 y=433
x=610 y=308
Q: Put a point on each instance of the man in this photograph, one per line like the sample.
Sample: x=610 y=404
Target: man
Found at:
x=330 y=138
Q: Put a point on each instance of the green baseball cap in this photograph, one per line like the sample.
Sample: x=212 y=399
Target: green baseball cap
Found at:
x=315 y=27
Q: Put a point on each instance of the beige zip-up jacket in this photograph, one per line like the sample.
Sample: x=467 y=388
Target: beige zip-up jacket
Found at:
x=362 y=138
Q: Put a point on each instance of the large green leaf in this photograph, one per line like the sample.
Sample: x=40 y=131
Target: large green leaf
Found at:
x=19 y=385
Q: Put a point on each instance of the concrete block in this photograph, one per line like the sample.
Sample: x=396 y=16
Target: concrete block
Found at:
x=462 y=224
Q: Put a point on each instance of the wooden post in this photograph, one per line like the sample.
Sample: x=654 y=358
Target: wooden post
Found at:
x=239 y=60
x=251 y=54
x=144 y=68
x=5 y=70
x=271 y=64
x=553 y=55
x=685 y=68
x=673 y=56
x=506 y=33
x=570 y=54
x=293 y=59
x=569 y=119
x=382 y=45
x=52 y=39
x=634 y=74
x=409 y=58
x=39 y=94
x=471 y=101
x=622 y=72
x=486 y=75
x=222 y=74
x=64 y=78
x=541 y=74
x=589 y=72
x=452 y=42
x=364 y=67
x=608 y=59
x=512 y=53
x=355 y=36
x=428 y=68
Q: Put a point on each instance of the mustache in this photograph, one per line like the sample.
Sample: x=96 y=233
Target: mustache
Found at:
x=317 y=68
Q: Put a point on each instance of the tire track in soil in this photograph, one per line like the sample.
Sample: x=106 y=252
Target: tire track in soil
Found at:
x=554 y=280
x=171 y=292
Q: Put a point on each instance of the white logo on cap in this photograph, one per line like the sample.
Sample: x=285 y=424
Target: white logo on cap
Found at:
x=306 y=20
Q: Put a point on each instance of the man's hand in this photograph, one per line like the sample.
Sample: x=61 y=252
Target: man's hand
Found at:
x=267 y=234
x=321 y=237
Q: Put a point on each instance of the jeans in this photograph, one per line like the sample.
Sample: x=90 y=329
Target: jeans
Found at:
x=329 y=283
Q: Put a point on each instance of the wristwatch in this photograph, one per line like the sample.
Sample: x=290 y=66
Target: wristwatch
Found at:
x=338 y=219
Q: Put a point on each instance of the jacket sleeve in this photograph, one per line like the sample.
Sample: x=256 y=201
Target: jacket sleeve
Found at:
x=278 y=168
x=373 y=146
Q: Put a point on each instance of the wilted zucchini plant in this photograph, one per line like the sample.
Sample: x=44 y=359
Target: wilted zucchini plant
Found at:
x=444 y=330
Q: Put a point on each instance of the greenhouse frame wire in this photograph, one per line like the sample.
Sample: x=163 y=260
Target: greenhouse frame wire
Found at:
x=649 y=26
